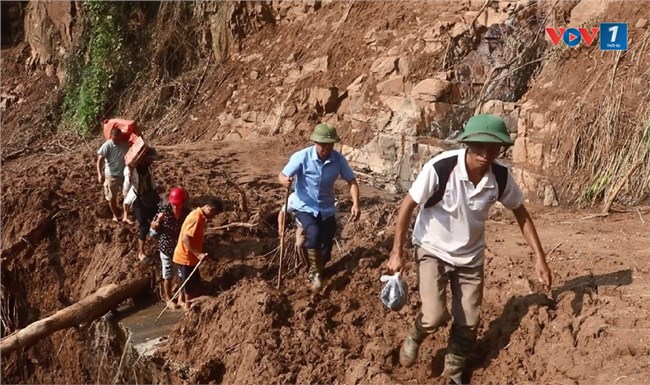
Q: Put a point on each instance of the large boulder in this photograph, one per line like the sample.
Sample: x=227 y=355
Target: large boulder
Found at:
x=432 y=90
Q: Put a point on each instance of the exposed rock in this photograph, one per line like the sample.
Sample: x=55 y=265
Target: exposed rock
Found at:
x=391 y=86
x=642 y=23
x=403 y=66
x=431 y=90
x=432 y=35
x=352 y=104
x=395 y=103
x=288 y=126
x=527 y=181
x=360 y=118
x=535 y=154
x=251 y=58
x=382 y=120
x=522 y=128
x=384 y=66
x=391 y=155
x=550 y=197
x=441 y=75
x=317 y=65
x=519 y=150
x=47 y=25
x=290 y=110
x=458 y=30
x=586 y=10
x=537 y=120
x=7 y=100
x=434 y=47
x=370 y=36
x=439 y=110
x=441 y=26
x=487 y=18
x=408 y=118
x=513 y=121
x=292 y=77
x=324 y=98
x=356 y=85
x=420 y=154
x=252 y=116
x=254 y=75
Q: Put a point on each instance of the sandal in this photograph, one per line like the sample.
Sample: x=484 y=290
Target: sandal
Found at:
x=145 y=261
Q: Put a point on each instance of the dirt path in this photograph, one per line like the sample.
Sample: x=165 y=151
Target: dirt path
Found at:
x=595 y=330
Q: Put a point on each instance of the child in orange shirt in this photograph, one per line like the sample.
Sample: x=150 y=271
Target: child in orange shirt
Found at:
x=189 y=249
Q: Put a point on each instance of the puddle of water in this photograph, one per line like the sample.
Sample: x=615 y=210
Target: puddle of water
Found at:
x=145 y=336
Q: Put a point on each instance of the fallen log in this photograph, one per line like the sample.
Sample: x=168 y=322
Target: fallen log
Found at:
x=86 y=310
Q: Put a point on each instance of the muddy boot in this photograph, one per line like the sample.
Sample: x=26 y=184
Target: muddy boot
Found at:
x=461 y=344
x=408 y=353
x=315 y=269
x=454 y=365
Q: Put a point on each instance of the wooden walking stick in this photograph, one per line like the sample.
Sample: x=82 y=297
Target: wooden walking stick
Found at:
x=179 y=289
x=284 y=226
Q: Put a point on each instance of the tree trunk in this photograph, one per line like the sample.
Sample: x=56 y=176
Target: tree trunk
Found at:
x=86 y=310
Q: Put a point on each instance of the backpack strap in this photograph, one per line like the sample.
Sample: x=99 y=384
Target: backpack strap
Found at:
x=501 y=175
x=444 y=168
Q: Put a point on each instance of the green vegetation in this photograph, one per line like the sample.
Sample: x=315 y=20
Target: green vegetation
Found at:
x=100 y=65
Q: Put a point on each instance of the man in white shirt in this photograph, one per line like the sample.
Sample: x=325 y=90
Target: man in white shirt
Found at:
x=454 y=191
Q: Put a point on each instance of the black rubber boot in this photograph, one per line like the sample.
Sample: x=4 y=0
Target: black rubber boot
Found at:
x=315 y=269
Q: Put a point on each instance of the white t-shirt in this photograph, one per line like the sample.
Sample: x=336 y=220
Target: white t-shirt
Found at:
x=454 y=229
x=290 y=203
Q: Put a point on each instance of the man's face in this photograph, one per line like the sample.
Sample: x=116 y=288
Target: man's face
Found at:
x=116 y=137
x=484 y=153
x=324 y=149
x=211 y=212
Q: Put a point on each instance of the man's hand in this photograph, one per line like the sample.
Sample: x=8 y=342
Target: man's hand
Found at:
x=395 y=263
x=543 y=273
x=201 y=256
x=356 y=213
x=285 y=181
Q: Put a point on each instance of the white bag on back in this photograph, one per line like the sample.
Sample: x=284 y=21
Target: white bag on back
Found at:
x=395 y=292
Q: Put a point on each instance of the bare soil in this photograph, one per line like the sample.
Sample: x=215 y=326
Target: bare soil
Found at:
x=59 y=245
x=592 y=330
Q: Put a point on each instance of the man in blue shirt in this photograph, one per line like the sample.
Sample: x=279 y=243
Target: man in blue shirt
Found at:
x=314 y=171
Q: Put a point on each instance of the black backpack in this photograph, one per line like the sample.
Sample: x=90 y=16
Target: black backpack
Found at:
x=445 y=166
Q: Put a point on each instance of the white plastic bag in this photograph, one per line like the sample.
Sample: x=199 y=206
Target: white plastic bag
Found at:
x=394 y=293
x=130 y=197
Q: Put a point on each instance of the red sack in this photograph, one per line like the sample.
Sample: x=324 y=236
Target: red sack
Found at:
x=128 y=127
x=136 y=152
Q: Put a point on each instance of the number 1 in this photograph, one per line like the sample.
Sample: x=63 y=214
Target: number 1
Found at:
x=613 y=30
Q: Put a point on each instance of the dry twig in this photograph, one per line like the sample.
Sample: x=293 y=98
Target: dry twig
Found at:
x=619 y=186
x=234 y=224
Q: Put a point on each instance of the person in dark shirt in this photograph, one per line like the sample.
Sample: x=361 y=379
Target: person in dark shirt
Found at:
x=166 y=226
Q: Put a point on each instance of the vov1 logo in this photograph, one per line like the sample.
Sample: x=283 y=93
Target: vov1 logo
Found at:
x=613 y=36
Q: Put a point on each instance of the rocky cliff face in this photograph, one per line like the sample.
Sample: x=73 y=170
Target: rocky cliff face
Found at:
x=398 y=80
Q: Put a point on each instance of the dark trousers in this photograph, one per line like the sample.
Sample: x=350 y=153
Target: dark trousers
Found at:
x=144 y=215
x=319 y=232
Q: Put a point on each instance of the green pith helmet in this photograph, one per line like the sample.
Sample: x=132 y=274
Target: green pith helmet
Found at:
x=324 y=133
x=486 y=128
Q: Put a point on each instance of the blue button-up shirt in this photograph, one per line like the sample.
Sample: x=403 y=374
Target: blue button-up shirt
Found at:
x=314 y=180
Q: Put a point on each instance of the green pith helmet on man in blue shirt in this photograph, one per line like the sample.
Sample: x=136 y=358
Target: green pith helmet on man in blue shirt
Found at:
x=324 y=133
x=486 y=128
